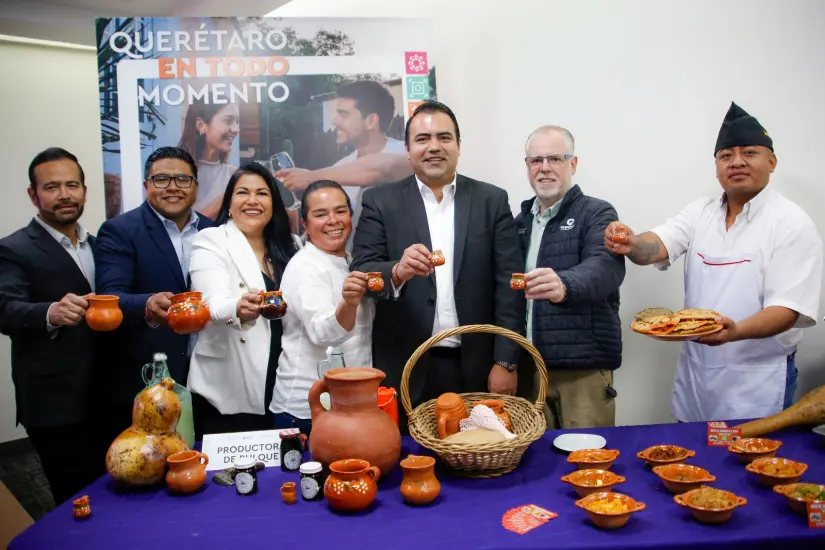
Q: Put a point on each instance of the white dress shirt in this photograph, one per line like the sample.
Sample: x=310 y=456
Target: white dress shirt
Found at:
x=81 y=254
x=312 y=284
x=776 y=234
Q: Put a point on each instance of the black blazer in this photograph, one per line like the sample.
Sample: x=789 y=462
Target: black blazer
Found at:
x=135 y=259
x=485 y=256
x=53 y=377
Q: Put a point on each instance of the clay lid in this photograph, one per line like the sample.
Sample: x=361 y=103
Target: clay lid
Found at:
x=449 y=400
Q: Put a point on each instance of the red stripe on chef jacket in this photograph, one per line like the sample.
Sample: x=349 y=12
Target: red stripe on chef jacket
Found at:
x=726 y=263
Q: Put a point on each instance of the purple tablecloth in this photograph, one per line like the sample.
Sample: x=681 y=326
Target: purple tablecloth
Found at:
x=467 y=514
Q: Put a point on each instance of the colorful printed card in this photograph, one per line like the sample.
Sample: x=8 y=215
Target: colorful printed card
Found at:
x=816 y=515
x=526 y=518
x=719 y=435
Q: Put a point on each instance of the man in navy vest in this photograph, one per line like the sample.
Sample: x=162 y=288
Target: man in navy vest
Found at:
x=572 y=285
x=143 y=257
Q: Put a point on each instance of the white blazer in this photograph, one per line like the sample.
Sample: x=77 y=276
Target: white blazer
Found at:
x=229 y=361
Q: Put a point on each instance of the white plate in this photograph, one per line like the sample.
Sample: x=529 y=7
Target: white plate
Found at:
x=575 y=442
x=819 y=429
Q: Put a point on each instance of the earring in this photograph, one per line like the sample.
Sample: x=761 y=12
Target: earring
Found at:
x=230 y=214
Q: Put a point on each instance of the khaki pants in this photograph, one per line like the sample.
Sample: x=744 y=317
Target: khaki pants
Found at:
x=579 y=399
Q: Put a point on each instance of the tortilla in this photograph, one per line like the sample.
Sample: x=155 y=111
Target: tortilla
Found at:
x=664 y=324
x=698 y=314
x=694 y=327
x=646 y=314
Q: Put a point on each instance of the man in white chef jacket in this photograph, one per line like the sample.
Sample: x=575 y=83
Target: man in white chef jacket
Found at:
x=753 y=256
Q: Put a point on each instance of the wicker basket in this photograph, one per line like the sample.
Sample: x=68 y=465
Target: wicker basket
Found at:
x=484 y=459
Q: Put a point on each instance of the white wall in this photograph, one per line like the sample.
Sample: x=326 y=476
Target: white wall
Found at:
x=48 y=98
x=643 y=85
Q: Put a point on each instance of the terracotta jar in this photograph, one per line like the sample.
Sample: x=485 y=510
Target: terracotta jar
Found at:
x=187 y=471
x=437 y=258
x=388 y=402
x=103 y=313
x=81 y=508
x=449 y=410
x=517 y=281
x=289 y=492
x=188 y=313
x=354 y=427
x=375 y=282
x=419 y=485
x=351 y=485
x=620 y=235
x=273 y=305
x=497 y=405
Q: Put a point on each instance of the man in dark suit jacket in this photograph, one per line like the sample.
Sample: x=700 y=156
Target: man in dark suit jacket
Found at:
x=143 y=257
x=46 y=270
x=472 y=224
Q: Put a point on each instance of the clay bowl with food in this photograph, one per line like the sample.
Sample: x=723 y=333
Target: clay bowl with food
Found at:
x=659 y=455
x=681 y=478
x=710 y=505
x=777 y=471
x=800 y=494
x=587 y=482
x=609 y=510
x=751 y=448
x=593 y=459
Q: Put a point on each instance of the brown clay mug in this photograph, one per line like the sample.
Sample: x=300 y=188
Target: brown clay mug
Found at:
x=517 y=281
x=288 y=492
x=103 y=313
x=419 y=485
x=273 y=305
x=188 y=313
x=351 y=485
x=375 y=282
x=437 y=258
x=449 y=411
x=187 y=471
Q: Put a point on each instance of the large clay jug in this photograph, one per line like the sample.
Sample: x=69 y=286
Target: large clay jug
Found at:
x=354 y=427
x=808 y=410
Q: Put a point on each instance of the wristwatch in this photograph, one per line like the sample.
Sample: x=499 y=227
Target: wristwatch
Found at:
x=511 y=367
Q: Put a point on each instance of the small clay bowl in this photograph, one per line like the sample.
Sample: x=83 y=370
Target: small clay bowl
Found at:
x=684 y=454
x=593 y=459
x=796 y=503
x=587 y=482
x=681 y=478
x=758 y=467
x=605 y=520
x=751 y=448
x=709 y=515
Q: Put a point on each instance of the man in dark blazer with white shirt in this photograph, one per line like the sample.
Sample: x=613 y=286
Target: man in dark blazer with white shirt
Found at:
x=46 y=271
x=472 y=224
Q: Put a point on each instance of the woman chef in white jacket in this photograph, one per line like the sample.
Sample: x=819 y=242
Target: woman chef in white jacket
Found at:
x=754 y=257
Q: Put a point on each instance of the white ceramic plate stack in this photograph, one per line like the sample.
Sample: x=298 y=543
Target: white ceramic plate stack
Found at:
x=576 y=442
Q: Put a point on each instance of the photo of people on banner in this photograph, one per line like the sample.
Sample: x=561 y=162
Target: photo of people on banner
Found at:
x=300 y=97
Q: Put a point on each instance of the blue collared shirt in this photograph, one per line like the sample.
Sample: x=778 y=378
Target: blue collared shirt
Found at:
x=181 y=240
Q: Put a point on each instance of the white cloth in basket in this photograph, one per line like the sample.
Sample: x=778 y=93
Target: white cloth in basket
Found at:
x=482 y=417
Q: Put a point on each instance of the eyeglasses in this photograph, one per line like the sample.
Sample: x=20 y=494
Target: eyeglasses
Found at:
x=554 y=160
x=162 y=181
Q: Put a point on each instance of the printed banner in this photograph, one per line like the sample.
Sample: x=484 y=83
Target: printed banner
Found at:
x=296 y=95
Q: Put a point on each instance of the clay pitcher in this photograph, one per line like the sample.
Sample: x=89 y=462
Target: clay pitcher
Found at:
x=354 y=427
x=187 y=471
x=419 y=485
x=104 y=313
x=351 y=485
x=449 y=410
x=497 y=406
x=808 y=410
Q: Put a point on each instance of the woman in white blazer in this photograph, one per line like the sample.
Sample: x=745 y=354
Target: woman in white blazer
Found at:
x=326 y=305
x=234 y=361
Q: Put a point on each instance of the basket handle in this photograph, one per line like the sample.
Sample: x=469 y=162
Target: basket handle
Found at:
x=467 y=329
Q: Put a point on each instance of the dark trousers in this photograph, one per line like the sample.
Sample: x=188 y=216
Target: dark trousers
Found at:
x=285 y=420
x=438 y=371
x=72 y=457
x=209 y=420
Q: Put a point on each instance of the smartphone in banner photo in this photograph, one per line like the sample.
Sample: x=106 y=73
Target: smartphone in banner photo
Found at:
x=281 y=160
x=290 y=201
